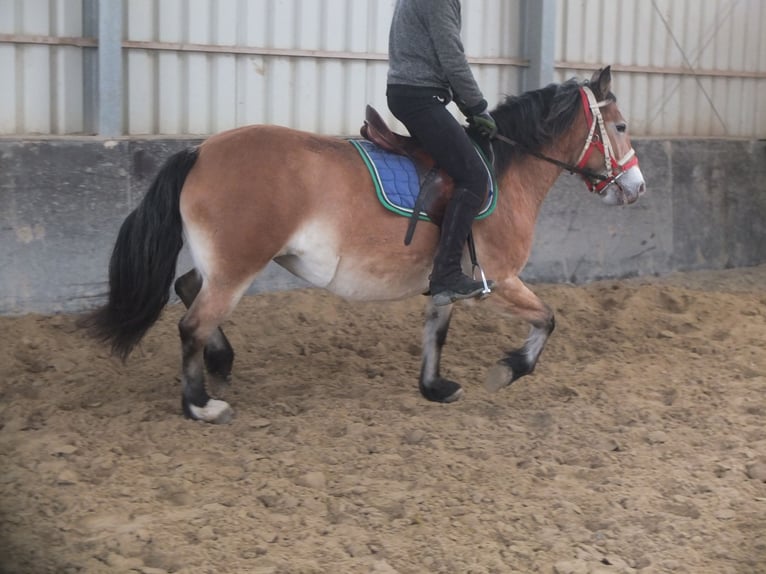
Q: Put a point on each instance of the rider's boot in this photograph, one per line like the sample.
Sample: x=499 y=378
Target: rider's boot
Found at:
x=448 y=283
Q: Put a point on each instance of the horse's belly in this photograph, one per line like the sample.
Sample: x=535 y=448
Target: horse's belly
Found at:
x=354 y=268
x=353 y=279
x=362 y=281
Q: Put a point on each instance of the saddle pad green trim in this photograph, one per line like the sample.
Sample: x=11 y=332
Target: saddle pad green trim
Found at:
x=384 y=199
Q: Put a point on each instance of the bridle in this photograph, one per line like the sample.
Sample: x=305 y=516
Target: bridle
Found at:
x=597 y=140
x=601 y=142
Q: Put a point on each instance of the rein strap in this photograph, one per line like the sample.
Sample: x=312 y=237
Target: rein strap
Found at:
x=558 y=163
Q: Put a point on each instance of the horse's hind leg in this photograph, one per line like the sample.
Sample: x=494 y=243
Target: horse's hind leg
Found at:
x=432 y=385
x=218 y=354
x=209 y=309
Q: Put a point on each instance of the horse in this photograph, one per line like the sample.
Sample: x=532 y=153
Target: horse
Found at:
x=255 y=194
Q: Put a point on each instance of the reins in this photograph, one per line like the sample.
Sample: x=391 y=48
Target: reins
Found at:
x=558 y=163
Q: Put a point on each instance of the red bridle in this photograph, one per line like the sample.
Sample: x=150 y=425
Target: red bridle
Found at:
x=613 y=168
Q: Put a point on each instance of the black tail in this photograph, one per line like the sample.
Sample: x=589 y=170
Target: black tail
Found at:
x=143 y=262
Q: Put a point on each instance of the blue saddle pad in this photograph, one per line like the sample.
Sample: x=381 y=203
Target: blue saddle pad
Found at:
x=397 y=184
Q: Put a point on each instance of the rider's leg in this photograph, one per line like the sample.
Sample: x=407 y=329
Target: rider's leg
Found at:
x=445 y=139
x=448 y=282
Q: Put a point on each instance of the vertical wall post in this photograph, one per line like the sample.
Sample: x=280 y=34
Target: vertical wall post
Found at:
x=539 y=42
x=109 y=91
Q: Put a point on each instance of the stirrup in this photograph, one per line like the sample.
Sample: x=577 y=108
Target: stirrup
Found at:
x=487 y=291
x=448 y=296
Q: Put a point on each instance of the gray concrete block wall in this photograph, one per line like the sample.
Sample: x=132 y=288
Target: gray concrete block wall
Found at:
x=705 y=208
x=719 y=203
x=63 y=200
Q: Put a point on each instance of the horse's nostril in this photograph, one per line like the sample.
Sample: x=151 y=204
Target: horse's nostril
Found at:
x=642 y=189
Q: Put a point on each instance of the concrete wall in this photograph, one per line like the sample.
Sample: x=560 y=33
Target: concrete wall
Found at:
x=63 y=200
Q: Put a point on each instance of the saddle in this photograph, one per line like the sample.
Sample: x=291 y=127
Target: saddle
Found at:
x=436 y=186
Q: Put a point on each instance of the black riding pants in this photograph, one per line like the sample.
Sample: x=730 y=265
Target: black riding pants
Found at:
x=428 y=120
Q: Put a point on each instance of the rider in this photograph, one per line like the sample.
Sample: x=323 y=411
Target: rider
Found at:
x=427 y=69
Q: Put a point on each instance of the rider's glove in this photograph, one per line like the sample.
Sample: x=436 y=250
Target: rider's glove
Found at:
x=485 y=123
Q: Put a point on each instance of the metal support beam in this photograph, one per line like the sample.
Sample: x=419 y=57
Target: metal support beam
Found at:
x=110 y=94
x=539 y=42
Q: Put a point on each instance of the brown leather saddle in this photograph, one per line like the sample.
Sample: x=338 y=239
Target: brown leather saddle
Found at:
x=436 y=186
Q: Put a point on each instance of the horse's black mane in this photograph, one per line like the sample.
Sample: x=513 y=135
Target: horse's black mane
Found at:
x=535 y=119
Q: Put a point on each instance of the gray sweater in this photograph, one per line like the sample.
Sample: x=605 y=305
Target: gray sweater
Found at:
x=425 y=51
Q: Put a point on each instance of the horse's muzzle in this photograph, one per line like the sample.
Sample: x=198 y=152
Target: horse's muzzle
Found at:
x=626 y=189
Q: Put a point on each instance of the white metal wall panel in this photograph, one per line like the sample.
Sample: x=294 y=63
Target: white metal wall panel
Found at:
x=67 y=69
x=722 y=40
x=42 y=85
x=493 y=30
x=176 y=92
x=650 y=43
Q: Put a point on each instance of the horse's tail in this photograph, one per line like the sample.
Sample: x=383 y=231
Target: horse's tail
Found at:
x=143 y=262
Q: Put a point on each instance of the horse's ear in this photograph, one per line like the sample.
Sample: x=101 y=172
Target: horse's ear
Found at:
x=601 y=82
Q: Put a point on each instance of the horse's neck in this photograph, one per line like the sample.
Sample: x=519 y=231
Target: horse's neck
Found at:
x=526 y=183
x=528 y=179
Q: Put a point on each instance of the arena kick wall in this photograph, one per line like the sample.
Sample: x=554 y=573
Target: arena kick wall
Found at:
x=63 y=200
x=153 y=72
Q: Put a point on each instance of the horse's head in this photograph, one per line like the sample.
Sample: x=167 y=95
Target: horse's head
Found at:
x=608 y=156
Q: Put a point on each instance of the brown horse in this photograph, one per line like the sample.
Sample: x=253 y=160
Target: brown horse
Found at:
x=256 y=194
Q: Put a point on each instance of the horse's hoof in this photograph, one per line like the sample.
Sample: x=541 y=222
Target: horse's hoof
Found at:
x=442 y=391
x=214 y=412
x=498 y=377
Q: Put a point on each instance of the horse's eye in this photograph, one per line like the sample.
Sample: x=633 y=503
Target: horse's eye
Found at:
x=621 y=127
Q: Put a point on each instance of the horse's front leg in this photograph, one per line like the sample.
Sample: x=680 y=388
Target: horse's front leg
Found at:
x=432 y=385
x=515 y=297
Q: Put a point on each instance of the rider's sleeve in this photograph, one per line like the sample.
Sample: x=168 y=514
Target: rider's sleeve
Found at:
x=444 y=28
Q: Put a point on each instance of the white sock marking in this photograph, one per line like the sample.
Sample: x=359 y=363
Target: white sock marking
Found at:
x=214 y=411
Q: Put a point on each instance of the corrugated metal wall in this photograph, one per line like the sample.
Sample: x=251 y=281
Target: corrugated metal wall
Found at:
x=42 y=85
x=314 y=64
x=654 y=41
x=320 y=61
